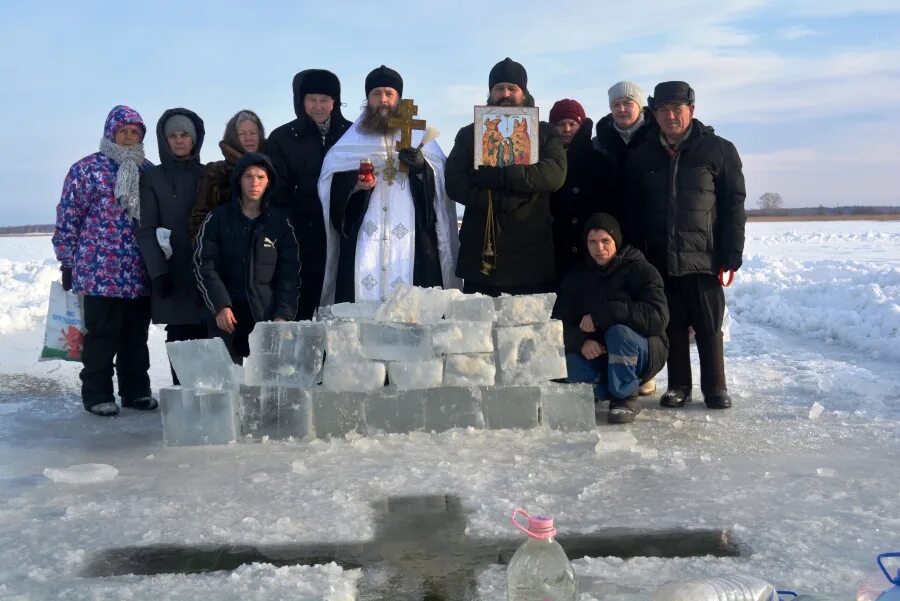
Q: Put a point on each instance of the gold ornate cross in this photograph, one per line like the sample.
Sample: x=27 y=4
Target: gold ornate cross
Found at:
x=405 y=123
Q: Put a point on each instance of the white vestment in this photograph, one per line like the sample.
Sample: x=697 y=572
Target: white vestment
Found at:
x=385 y=246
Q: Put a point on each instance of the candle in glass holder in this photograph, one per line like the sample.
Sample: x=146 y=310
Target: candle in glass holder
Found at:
x=367 y=170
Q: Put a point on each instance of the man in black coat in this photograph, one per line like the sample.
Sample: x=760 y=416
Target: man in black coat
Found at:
x=520 y=199
x=622 y=130
x=584 y=191
x=614 y=313
x=297 y=150
x=168 y=192
x=686 y=201
x=247 y=258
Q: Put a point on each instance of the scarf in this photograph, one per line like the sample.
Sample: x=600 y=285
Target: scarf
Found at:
x=672 y=149
x=128 y=177
x=627 y=133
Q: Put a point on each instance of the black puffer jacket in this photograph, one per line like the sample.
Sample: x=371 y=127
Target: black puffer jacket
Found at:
x=687 y=210
x=168 y=192
x=265 y=270
x=583 y=194
x=613 y=173
x=297 y=150
x=629 y=291
x=524 y=238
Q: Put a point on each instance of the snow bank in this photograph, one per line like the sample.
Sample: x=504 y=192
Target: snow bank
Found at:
x=24 y=290
x=850 y=303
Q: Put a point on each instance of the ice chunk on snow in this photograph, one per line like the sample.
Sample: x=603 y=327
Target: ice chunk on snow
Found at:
x=286 y=353
x=530 y=354
x=198 y=417
x=452 y=407
x=412 y=304
x=353 y=376
x=276 y=412
x=342 y=340
x=395 y=341
x=469 y=370
x=568 y=407
x=816 y=410
x=204 y=364
x=612 y=442
x=395 y=411
x=357 y=310
x=471 y=307
x=524 y=309
x=511 y=407
x=338 y=413
x=455 y=337
x=86 y=473
x=411 y=375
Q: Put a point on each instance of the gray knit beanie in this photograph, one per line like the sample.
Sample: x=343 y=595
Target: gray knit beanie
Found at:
x=626 y=89
x=180 y=123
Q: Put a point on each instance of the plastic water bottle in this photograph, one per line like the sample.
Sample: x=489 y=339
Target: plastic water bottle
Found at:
x=880 y=588
x=731 y=587
x=539 y=570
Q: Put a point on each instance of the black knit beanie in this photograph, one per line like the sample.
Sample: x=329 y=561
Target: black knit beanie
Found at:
x=384 y=77
x=607 y=223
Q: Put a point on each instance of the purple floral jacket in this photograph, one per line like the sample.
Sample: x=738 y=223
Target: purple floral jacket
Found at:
x=94 y=235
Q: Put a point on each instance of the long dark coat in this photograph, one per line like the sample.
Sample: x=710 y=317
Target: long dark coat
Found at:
x=612 y=173
x=297 y=150
x=584 y=193
x=168 y=193
x=525 y=254
x=687 y=210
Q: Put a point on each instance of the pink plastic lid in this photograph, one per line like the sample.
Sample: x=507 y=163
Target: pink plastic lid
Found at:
x=539 y=526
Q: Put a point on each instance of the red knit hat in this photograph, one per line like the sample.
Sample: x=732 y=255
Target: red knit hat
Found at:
x=567 y=109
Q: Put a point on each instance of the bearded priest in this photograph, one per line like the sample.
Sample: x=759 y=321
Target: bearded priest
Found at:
x=396 y=225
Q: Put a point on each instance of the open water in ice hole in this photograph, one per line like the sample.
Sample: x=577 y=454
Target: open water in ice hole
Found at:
x=420 y=552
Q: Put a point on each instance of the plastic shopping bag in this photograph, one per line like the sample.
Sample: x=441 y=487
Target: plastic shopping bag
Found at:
x=64 y=332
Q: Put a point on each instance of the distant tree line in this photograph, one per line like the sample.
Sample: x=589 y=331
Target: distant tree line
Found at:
x=18 y=230
x=820 y=210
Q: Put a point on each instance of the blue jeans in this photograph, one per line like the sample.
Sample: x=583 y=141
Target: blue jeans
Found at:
x=617 y=374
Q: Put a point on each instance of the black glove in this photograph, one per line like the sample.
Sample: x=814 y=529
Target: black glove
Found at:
x=412 y=158
x=731 y=261
x=490 y=178
x=66 y=278
x=162 y=285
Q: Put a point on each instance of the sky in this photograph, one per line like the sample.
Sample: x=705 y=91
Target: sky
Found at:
x=808 y=90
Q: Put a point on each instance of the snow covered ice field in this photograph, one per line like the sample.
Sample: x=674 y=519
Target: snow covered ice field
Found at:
x=816 y=312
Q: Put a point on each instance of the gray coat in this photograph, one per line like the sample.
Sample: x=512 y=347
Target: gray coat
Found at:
x=167 y=197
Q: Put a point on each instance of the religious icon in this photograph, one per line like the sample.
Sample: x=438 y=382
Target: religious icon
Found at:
x=506 y=135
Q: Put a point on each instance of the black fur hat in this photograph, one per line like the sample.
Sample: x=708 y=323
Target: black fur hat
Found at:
x=678 y=92
x=317 y=81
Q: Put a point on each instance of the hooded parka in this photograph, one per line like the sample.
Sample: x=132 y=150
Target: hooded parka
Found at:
x=168 y=193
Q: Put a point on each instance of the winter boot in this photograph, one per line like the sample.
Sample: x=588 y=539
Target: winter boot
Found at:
x=623 y=411
x=712 y=371
x=675 y=398
x=717 y=400
x=648 y=387
x=145 y=403
x=103 y=409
